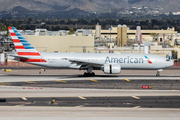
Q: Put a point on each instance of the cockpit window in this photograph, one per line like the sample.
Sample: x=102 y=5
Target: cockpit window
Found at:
x=167 y=59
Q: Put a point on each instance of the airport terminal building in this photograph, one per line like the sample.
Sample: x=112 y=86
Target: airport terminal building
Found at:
x=62 y=43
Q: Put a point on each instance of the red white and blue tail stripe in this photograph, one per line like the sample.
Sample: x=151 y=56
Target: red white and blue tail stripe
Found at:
x=24 y=48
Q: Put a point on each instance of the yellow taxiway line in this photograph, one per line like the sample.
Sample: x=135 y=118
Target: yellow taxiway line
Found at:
x=127 y=80
x=93 y=80
x=61 y=81
x=30 y=82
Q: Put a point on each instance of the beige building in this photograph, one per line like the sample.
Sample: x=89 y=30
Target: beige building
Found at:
x=147 y=37
x=146 y=34
x=81 y=43
x=121 y=35
x=62 y=43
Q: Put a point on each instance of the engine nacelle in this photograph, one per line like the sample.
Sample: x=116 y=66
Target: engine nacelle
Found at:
x=112 y=69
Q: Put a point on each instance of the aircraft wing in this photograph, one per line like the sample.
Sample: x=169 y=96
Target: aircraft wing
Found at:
x=85 y=62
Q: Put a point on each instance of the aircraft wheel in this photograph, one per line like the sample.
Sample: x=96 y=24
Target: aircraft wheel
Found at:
x=93 y=74
x=85 y=74
x=157 y=75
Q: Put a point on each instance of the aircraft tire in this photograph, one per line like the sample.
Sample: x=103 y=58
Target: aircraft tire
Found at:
x=85 y=74
x=89 y=74
x=93 y=74
x=158 y=75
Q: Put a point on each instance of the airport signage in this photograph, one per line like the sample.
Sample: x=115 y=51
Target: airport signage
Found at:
x=145 y=87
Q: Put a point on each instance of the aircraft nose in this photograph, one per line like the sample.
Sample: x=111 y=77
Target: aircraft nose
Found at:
x=172 y=63
x=169 y=63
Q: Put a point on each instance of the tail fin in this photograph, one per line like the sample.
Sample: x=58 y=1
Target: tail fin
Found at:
x=22 y=46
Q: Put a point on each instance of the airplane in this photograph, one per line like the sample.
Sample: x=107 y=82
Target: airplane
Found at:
x=109 y=63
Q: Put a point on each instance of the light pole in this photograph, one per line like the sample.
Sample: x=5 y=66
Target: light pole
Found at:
x=110 y=35
x=110 y=32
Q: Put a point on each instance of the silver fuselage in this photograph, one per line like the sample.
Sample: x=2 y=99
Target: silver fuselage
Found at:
x=126 y=61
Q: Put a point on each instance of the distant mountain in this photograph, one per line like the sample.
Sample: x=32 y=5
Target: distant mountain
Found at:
x=82 y=6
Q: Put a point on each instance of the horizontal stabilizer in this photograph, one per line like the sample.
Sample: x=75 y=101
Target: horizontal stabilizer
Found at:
x=28 y=59
x=20 y=57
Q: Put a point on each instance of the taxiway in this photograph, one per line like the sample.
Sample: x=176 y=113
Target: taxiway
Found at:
x=28 y=95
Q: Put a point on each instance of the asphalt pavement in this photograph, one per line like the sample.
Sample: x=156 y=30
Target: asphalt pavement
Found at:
x=154 y=84
x=127 y=101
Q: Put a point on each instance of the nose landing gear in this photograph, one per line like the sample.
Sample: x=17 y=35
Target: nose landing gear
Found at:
x=158 y=72
x=158 y=75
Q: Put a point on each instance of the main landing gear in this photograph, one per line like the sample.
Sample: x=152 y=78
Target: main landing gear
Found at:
x=89 y=72
x=158 y=73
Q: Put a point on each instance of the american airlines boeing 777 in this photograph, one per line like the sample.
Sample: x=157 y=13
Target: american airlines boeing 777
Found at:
x=110 y=63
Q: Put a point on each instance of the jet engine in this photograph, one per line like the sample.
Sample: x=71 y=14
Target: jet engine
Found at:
x=112 y=69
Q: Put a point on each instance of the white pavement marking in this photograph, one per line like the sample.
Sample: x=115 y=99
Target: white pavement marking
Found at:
x=51 y=113
x=103 y=113
x=82 y=97
x=24 y=98
x=137 y=107
x=18 y=105
x=135 y=97
x=6 y=78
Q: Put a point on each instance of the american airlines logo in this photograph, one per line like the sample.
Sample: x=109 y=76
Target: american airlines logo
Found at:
x=149 y=61
x=124 y=60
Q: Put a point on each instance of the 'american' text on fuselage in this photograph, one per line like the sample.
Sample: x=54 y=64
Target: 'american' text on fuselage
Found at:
x=124 y=60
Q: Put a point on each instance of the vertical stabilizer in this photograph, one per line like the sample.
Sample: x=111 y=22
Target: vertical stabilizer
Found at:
x=22 y=46
x=26 y=52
